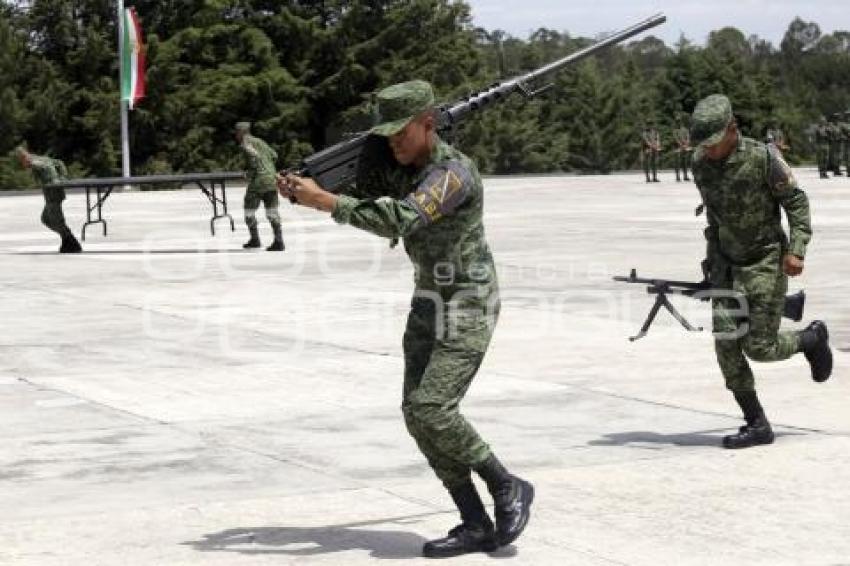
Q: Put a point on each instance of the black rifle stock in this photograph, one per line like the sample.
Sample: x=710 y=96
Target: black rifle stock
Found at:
x=339 y=166
x=792 y=309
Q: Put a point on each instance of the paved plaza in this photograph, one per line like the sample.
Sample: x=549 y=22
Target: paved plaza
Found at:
x=167 y=398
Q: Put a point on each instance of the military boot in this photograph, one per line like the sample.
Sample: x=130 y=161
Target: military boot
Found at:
x=751 y=434
x=70 y=245
x=277 y=244
x=512 y=498
x=254 y=242
x=814 y=343
x=474 y=534
x=463 y=539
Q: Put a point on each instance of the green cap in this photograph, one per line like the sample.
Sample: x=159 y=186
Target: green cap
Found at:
x=243 y=127
x=400 y=103
x=710 y=120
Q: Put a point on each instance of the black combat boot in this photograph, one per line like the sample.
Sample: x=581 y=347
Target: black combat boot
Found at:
x=277 y=244
x=70 y=245
x=687 y=178
x=512 y=497
x=254 y=242
x=814 y=343
x=757 y=430
x=474 y=534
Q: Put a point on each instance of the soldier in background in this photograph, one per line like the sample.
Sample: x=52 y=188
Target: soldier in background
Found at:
x=776 y=138
x=48 y=171
x=844 y=126
x=822 y=144
x=834 y=159
x=650 y=148
x=260 y=165
x=682 y=138
x=749 y=257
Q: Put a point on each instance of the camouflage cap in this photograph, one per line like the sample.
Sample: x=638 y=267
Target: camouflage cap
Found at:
x=400 y=103
x=710 y=120
x=244 y=127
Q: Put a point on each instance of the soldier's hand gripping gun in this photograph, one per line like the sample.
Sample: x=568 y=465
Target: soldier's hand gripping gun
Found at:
x=793 y=308
x=353 y=161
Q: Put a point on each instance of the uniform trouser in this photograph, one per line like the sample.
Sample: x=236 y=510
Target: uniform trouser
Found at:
x=252 y=203
x=650 y=162
x=682 y=163
x=823 y=158
x=834 y=150
x=441 y=357
x=845 y=156
x=52 y=215
x=754 y=334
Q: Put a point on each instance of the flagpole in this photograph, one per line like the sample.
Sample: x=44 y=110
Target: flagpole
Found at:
x=125 y=137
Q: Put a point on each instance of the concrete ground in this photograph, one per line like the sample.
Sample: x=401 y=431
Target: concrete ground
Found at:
x=168 y=399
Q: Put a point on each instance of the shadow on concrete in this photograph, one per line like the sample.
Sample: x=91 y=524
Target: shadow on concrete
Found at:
x=712 y=438
x=312 y=541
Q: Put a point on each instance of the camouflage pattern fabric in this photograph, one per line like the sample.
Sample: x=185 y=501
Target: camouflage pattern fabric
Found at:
x=683 y=151
x=844 y=128
x=48 y=171
x=834 y=155
x=745 y=246
x=455 y=303
x=252 y=202
x=260 y=164
x=649 y=141
x=822 y=143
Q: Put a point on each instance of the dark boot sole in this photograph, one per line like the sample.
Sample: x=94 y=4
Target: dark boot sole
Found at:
x=489 y=546
x=528 y=499
x=759 y=442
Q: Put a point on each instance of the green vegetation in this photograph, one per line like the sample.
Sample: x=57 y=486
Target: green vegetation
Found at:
x=302 y=72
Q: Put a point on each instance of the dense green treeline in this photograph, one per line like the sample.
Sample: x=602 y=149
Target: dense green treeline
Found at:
x=302 y=71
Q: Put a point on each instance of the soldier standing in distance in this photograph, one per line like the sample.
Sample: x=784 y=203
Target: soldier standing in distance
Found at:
x=651 y=146
x=844 y=127
x=683 y=149
x=453 y=311
x=822 y=144
x=744 y=184
x=48 y=171
x=834 y=146
x=260 y=162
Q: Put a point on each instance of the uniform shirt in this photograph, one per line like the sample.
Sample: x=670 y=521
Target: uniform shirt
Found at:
x=260 y=164
x=743 y=195
x=47 y=170
x=440 y=221
x=822 y=133
x=651 y=140
x=683 y=139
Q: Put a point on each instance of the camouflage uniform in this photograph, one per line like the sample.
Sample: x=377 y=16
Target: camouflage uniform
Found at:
x=651 y=144
x=834 y=135
x=683 y=151
x=48 y=171
x=822 y=143
x=454 y=307
x=844 y=127
x=260 y=165
x=436 y=205
x=743 y=195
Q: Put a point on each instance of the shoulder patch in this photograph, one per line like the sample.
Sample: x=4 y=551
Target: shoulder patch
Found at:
x=779 y=174
x=442 y=192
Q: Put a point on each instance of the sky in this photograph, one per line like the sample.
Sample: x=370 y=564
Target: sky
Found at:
x=695 y=18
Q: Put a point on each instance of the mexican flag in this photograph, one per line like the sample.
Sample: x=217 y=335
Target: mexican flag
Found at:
x=133 y=63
